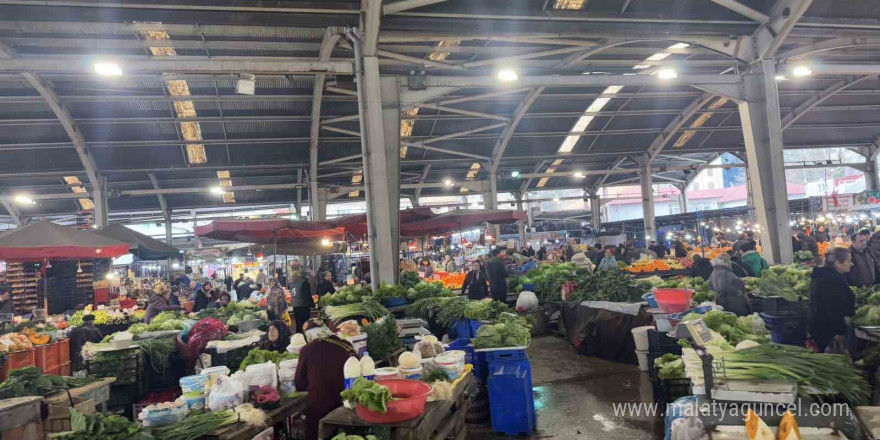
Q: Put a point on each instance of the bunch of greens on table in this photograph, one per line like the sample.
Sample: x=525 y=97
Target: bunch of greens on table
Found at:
x=869 y=314
x=609 y=285
x=260 y=356
x=369 y=394
x=409 y=279
x=382 y=337
x=30 y=381
x=509 y=332
x=196 y=426
x=459 y=308
x=428 y=289
x=791 y=282
x=158 y=350
x=862 y=294
x=389 y=291
x=100 y=427
x=368 y=307
x=548 y=280
x=669 y=366
x=345 y=295
x=734 y=329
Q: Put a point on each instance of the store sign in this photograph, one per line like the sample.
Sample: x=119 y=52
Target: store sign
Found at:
x=867 y=198
x=837 y=202
x=205 y=253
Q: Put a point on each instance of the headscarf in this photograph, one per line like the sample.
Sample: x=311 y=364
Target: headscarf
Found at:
x=283 y=336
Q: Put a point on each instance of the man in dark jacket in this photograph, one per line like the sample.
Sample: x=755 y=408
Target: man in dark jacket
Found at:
x=203 y=297
x=325 y=286
x=529 y=252
x=78 y=338
x=680 y=248
x=865 y=268
x=702 y=268
x=301 y=294
x=808 y=244
x=831 y=300
x=498 y=275
x=820 y=235
x=593 y=252
x=475 y=285
x=569 y=252
x=659 y=249
x=542 y=253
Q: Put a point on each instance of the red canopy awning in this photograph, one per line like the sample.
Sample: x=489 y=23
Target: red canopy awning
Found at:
x=45 y=239
x=266 y=231
x=453 y=221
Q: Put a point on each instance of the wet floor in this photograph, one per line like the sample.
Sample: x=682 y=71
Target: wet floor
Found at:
x=575 y=397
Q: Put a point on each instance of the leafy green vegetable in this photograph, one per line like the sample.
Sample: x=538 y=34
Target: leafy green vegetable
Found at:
x=787 y=281
x=30 y=381
x=388 y=291
x=382 y=338
x=669 y=366
x=100 y=427
x=609 y=285
x=369 y=394
x=158 y=350
x=409 y=279
x=509 y=332
x=345 y=295
x=260 y=356
x=368 y=307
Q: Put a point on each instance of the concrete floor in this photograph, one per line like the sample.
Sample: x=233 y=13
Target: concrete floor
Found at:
x=574 y=396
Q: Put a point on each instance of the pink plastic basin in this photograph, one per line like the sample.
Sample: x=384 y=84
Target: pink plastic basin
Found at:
x=410 y=398
x=673 y=300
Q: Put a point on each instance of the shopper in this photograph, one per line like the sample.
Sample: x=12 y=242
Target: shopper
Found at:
x=320 y=373
x=820 y=235
x=243 y=290
x=326 y=284
x=542 y=253
x=658 y=249
x=498 y=275
x=529 y=252
x=680 y=248
x=475 y=284
x=158 y=302
x=831 y=299
x=864 y=267
x=807 y=243
x=301 y=294
x=702 y=267
x=203 y=296
x=79 y=336
x=6 y=305
x=279 y=276
x=593 y=253
x=730 y=289
x=449 y=264
x=744 y=237
x=277 y=338
x=228 y=282
x=752 y=260
x=609 y=261
x=569 y=252
x=426 y=269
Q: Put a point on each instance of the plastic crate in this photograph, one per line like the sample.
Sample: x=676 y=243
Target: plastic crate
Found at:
x=394 y=302
x=128 y=365
x=500 y=355
x=789 y=330
x=46 y=357
x=59 y=370
x=778 y=306
x=659 y=342
x=232 y=358
x=16 y=360
x=466 y=346
x=667 y=391
x=511 y=402
x=461 y=329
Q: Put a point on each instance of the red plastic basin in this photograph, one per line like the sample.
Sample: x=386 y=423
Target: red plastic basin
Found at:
x=410 y=398
x=673 y=300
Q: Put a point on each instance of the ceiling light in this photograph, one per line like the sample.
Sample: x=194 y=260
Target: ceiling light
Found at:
x=24 y=200
x=507 y=75
x=325 y=242
x=108 y=69
x=109 y=275
x=667 y=74
x=781 y=78
x=801 y=71
x=217 y=190
x=556 y=199
x=448 y=182
x=579 y=175
x=514 y=174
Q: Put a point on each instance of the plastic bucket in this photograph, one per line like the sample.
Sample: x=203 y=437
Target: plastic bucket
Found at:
x=788 y=330
x=386 y=373
x=410 y=373
x=410 y=398
x=192 y=383
x=673 y=300
x=640 y=336
x=643 y=359
x=195 y=402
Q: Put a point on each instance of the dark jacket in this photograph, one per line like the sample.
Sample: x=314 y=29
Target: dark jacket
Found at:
x=754 y=262
x=738 y=268
x=301 y=293
x=864 y=270
x=7 y=306
x=569 y=252
x=730 y=291
x=78 y=338
x=821 y=237
x=737 y=245
x=475 y=285
x=325 y=287
x=631 y=254
x=157 y=304
x=593 y=254
x=542 y=253
x=497 y=275
x=809 y=244
x=680 y=250
x=530 y=252
x=660 y=250
x=831 y=300
x=702 y=268
x=200 y=301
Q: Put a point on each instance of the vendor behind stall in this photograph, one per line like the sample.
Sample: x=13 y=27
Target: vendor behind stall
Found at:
x=831 y=299
x=79 y=336
x=729 y=287
x=158 y=302
x=301 y=295
x=6 y=305
x=277 y=338
x=223 y=301
x=204 y=296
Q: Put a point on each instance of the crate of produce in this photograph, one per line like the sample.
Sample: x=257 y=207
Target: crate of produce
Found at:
x=232 y=358
x=126 y=365
x=465 y=345
x=778 y=306
x=16 y=360
x=789 y=330
x=62 y=350
x=46 y=357
x=660 y=342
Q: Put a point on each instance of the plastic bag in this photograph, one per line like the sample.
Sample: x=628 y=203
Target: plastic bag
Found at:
x=527 y=302
x=227 y=393
x=262 y=374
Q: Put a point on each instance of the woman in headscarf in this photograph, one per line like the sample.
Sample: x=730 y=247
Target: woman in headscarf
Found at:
x=277 y=338
x=426 y=268
x=203 y=296
x=276 y=304
x=158 y=302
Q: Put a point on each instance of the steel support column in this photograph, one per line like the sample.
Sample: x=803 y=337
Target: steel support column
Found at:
x=648 y=201
x=682 y=198
x=522 y=223
x=490 y=199
x=762 y=132
x=872 y=179
x=99 y=197
x=299 y=195
x=595 y=212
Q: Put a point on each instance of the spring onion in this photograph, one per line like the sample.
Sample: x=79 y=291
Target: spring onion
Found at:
x=198 y=425
x=369 y=308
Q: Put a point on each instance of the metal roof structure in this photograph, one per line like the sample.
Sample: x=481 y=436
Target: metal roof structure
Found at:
x=172 y=126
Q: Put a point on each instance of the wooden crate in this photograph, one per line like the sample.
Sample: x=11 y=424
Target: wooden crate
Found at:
x=17 y=412
x=59 y=414
x=31 y=431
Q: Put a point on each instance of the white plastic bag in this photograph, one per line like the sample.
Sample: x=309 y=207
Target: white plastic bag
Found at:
x=262 y=374
x=527 y=302
x=227 y=393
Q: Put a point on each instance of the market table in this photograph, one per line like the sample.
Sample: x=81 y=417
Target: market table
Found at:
x=603 y=331
x=241 y=431
x=441 y=420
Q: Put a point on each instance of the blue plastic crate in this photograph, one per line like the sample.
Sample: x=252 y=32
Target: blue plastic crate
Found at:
x=465 y=345
x=394 y=302
x=475 y=325
x=481 y=366
x=789 y=330
x=506 y=355
x=510 y=398
x=466 y=328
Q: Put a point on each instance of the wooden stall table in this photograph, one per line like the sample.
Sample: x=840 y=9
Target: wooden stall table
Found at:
x=98 y=392
x=241 y=431
x=441 y=419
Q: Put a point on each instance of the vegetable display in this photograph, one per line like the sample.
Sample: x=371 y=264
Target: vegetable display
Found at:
x=345 y=295
x=388 y=291
x=100 y=427
x=204 y=331
x=426 y=289
x=548 y=280
x=342 y=436
x=260 y=356
x=734 y=330
x=791 y=282
x=609 y=285
x=669 y=366
x=369 y=394
x=458 y=308
x=30 y=381
x=869 y=314
x=409 y=279
x=803 y=256
x=507 y=333
x=369 y=308
x=158 y=350
x=198 y=425
x=382 y=337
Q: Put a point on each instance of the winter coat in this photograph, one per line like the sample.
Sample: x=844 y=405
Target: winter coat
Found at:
x=497 y=275
x=200 y=301
x=730 y=291
x=660 y=250
x=608 y=263
x=449 y=266
x=831 y=300
x=475 y=285
x=301 y=293
x=754 y=262
x=864 y=270
x=157 y=304
x=821 y=237
x=702 y=268
x=680 y=250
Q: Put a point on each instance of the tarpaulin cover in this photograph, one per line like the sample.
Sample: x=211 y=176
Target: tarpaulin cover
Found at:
x=142 y=246
x=45 y=239
x=603 y=333
x=453 y=221
x=265 y=231
x=313 y=247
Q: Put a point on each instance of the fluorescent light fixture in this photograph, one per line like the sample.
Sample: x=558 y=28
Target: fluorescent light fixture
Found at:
x=667 y=74
x=801 y=71
x=507 y=75
x=217 y=190
x=579 y=174
x=781 y=78
x=514 y=174
x=23 y=200
x=175 y=266
x=448 y=182
x=108 y=69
